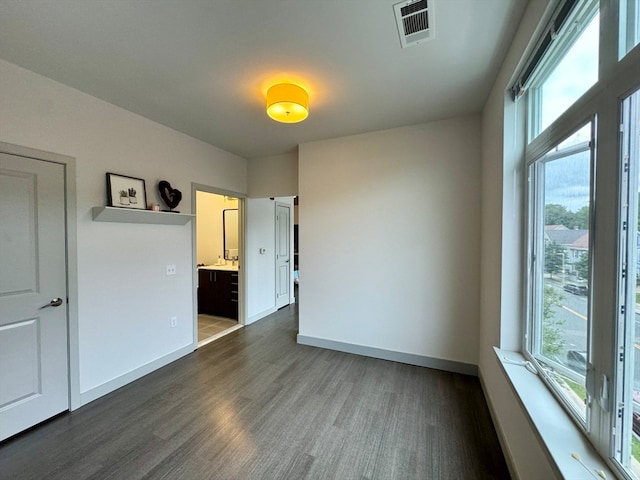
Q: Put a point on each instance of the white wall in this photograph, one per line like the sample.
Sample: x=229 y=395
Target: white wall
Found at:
x=125 y=299
x=501 y=313
x=269 y=179
x=274 y=176
x=261 y=268
x=209 y=208
x=389 y=235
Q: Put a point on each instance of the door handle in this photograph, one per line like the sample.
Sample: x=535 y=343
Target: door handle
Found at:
x=55 y=302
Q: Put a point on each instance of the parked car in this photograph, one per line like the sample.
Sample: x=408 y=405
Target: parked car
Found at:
x=577 y=361
x=576 y=289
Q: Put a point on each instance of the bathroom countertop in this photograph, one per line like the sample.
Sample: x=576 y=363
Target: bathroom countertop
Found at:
x=228 y=267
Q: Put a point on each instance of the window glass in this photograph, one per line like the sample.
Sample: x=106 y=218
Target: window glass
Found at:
x=570 y=69
x=561 y=185
x=629 y=26
x=628 y=371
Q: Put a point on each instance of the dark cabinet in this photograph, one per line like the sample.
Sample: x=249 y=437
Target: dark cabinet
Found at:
x=218 y=293
x=205 y=291
x=226 y=294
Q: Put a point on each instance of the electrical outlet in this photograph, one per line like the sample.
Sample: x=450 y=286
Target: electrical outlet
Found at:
x=171 y=269
x=174 y=322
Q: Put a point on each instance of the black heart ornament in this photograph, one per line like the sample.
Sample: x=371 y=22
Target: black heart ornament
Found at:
x=170 y=196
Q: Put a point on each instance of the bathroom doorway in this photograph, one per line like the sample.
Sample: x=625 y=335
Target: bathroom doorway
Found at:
x=218 y=264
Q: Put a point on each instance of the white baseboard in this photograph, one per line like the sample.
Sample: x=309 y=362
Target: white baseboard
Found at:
x=108 y=387
x=401 y=357
x=258 y=316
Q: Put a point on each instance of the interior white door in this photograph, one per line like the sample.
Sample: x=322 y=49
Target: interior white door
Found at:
x=283 y=254
x=33 y=293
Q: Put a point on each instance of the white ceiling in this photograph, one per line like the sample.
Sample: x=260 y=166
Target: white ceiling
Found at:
x=202 y=67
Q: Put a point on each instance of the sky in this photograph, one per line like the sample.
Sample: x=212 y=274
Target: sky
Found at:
x=573 y=76
x=567 y=180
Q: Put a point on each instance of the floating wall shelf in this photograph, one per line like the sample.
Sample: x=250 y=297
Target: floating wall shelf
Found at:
x=130 y=215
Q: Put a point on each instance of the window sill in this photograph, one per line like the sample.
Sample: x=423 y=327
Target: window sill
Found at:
x=554 y=427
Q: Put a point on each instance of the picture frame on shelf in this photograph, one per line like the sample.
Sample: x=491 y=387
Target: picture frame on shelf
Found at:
x=126 y=192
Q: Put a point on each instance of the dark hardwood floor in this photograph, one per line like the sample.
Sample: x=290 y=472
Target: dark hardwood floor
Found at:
x=255 y=405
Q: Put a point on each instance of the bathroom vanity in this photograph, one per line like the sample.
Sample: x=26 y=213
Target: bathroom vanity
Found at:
x=218 y=291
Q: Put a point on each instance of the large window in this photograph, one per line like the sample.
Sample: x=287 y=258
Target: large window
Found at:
x=581 y=136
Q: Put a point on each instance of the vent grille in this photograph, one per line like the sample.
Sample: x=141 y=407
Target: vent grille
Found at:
x=415 y=23
x=412 y=18
x=413 y=8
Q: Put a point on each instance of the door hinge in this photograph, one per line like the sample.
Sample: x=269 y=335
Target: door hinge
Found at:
x=624 y=226
x=621 y=356
x=622 y=309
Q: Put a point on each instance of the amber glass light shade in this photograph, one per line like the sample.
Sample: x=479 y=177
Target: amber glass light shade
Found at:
x=287 y=103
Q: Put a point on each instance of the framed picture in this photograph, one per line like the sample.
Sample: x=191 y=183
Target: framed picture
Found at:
x=126 y=192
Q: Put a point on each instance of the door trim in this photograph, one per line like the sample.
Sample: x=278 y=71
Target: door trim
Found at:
x=242 y=269
x=71 y=249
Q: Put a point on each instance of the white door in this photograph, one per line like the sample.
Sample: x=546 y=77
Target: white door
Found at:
x=283 y=254
x=33 y=294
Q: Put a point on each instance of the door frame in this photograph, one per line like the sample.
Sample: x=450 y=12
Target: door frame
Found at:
x=71 y=253
x=242 y=268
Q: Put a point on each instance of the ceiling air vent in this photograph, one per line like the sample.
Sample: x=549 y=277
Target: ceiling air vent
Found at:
x=412 y=18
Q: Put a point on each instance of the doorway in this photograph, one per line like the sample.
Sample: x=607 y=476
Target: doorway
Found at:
x=218 y=259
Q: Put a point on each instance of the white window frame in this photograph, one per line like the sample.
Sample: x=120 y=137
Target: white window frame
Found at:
x=627 y=271
x=535 y=268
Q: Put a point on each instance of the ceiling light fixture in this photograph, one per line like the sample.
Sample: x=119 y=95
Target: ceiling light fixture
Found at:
x=287 y=103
